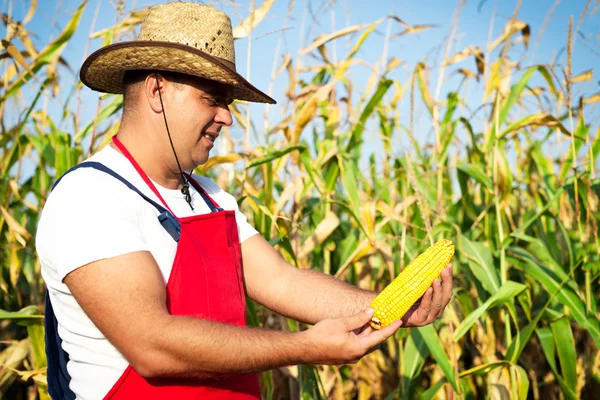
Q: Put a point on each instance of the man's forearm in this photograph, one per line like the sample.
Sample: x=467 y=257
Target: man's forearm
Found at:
x=310 y=296
x=195 y=348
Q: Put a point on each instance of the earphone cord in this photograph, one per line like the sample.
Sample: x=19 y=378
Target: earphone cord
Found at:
x=185 y=189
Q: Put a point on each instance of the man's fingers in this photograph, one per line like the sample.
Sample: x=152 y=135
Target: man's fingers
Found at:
x=446 y=286
x=377 y=337
x=366 y=331
x=425 y=307
x=358 y=320
x=436 y=301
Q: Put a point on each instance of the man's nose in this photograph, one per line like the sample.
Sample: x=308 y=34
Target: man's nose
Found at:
x=224 y=116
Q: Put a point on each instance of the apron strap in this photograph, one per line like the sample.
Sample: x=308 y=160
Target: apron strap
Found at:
x=165 y=217
x=57 y=375
x=101 y=167
x=139 y=170
x=214 y=207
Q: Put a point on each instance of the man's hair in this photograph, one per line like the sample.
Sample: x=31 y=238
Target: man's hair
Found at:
x=132 y=78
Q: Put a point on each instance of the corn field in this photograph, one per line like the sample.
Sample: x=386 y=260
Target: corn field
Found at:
x=345 y=183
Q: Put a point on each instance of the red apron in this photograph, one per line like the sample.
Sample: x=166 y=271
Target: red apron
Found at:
x=205 y=282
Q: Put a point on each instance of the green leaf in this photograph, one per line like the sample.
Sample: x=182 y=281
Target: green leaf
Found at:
x=509 y=102
x=543 y=165
x=565 y=344
x=349 y=174
x=548 y=346
x=523 y=382
x=481 y=263
x=108 y=111
x=35 y=332
x=565 y=295
x=274 y=155
x=531 y=220
x=415 y=352
x=26 y=315
x=475 y=172
x=507 y=292
x=307 y=162
x=448 y=126
x=359 y=128
x=434 y=344
x=580 y=132
x=431 y=393
x=51 y=52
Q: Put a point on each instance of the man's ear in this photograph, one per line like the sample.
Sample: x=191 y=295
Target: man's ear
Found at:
x=154 y=87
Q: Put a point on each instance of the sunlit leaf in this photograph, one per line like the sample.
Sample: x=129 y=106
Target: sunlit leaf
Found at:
x=251 y=21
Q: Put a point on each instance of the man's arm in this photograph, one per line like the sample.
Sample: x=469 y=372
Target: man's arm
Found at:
x=310 y=296
x=125 y=297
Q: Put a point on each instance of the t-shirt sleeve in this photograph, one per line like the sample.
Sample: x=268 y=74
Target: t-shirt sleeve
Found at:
x=88 y=217
x=228 y=202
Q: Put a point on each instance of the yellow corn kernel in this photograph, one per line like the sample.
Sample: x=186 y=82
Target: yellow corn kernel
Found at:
x=399 y=296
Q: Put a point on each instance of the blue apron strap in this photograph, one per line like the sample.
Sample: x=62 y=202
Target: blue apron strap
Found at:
x=57 y=374
x=166 y=219
x=101 y=167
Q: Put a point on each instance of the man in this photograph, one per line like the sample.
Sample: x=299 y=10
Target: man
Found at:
x=143 y=262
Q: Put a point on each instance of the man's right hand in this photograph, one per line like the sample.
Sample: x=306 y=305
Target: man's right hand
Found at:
x=343 y=340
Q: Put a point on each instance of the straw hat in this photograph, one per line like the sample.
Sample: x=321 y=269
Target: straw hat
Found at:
x=188 y=38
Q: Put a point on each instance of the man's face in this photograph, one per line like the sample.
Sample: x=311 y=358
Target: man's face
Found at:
x=196 y=114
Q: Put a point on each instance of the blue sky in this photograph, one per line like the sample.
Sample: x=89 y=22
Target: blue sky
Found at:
x=317 y=18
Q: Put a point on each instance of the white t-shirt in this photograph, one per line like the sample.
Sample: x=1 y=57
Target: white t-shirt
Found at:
x=89 y=216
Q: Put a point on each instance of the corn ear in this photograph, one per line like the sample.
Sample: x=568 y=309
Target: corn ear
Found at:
x=399 y=296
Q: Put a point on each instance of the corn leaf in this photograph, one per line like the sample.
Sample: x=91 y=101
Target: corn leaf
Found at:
x=565 y=344
x=274 y=156
x=523 y=382
x=514 y=95
x=548 y=346
x=432 y=392
x=358 y=130
x=565 y=295
x=481 y=263
x=508 y=291
x=219 y=160
x=512 y=27
x=580 y=135
x=583 y=77
x=415 y=352
x=107 y=111
x=52 y=51
x=251 y=21
x=321 y=40
x=435 y=346
x=27 y=314
x=475 y=172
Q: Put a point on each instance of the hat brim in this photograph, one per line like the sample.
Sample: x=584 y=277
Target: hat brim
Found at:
x=104 y=69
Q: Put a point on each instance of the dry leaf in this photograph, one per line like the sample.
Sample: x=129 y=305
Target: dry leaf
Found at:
x=218 y=160
x=467 y=72
x=321 y=40
x=512 y=27
x=321 y=233
x=255 y=18
x=592 y=99
x=31 y=11
x=583 y=77
x=135 y=19
x=469 y=51
x=287 y=59
x=14 y=225
x=413 y=29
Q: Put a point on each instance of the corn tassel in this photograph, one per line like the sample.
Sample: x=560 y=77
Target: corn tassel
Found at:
x=399 y=296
